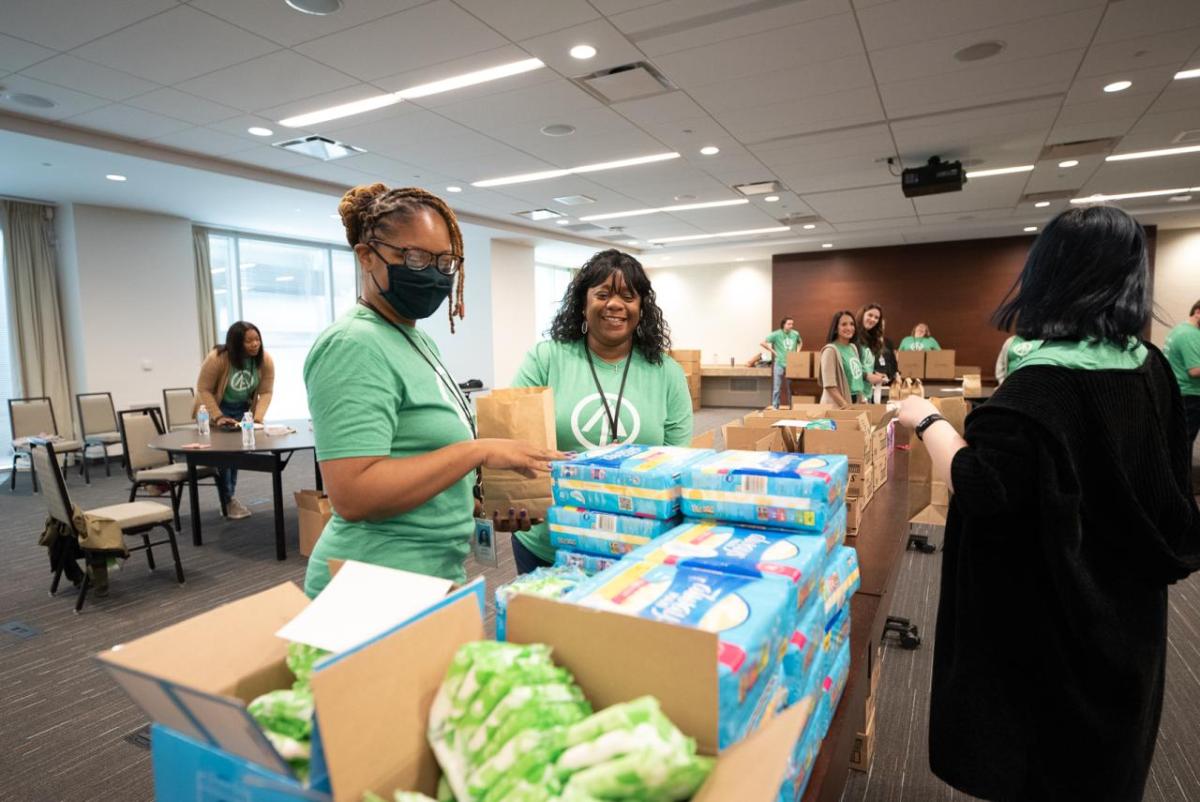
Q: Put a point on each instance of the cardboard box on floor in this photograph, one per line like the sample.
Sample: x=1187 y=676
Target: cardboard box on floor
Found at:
x=928 y=495
x=799 y=365
x=706 y=440
x=675 y=664
x=939 y=364
x=863 y=750
x=911 y=364
x=854 y=509
x=314 y=510
x=752 y=438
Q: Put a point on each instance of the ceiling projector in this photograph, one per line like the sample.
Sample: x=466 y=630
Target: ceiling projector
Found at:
x=934 y=178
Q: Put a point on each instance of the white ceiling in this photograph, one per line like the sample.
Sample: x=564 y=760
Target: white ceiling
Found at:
x=814 y=94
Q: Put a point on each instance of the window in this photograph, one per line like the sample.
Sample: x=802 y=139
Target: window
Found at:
x=549 y=286
x=8 y=384
x=291 y=290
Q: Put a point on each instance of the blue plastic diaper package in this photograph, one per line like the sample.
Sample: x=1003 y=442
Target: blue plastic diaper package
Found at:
x=771 y=699
x=831 y=689
x=768 y=488
x=752 y=617
x=800 y=767
x=802 y=662
x=732 y=549
x=839 y=580
x=550 y=583
x=602 y=533
x=590 y=564
x=625 y=479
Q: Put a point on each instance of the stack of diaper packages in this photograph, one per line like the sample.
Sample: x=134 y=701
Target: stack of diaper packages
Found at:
x=610 y=500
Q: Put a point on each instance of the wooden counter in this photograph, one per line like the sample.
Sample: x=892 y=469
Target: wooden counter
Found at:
x=714 y=371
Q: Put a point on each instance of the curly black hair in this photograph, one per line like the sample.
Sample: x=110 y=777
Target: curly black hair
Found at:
x=652 y=336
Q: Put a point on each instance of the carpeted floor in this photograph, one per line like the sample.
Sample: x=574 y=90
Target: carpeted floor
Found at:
x=64 y=723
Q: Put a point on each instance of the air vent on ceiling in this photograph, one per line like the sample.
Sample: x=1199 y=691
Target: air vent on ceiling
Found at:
x=626 y=82
x=1187 y=137
x=1058 y=194
x=1073 y=150
x=799 y=219
x=318 y=147
x=758 y=188
x=538 y=215
x=585 y=228
x=574 y=200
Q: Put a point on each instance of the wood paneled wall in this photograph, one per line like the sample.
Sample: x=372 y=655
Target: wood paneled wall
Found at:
x=952 y=286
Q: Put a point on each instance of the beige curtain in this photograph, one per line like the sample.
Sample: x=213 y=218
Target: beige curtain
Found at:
x=35 y=314
x=204 y=292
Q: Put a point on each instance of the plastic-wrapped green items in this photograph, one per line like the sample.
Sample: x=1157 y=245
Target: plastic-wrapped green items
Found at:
x=444 y=792
x=549 y=583
x=472 y=667
x=648 y=774
x=300 y=659
x=535 y=717
x=538 y=746
x=286 y=718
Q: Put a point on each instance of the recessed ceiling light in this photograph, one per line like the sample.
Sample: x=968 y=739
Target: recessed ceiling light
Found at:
x=809 y=226
x=1029 y=229
x=1185 y=74
x=453 y=188
x=563 y=222
x=583 y=52
x=1042 y=204
x=413 y=92
x=258 y=130
x=740 y=259
x=1152 y=193
x=1118 y=86
x=979 y=51
x=558 y=129
x=116 y=177
x=826 y=244
x=709 y=150
x=537 y=215
x=1069 y=163
x=316 y=7
x=1022 y=168
x=574 y=200
x=1179 y=198
x=524 y=178
x=684 y=207
x=28 y=100
x=745 y=233
x=1152 y=154
x=770 y=198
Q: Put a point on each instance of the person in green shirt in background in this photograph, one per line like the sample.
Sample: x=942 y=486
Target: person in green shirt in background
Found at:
x=780 y=343
x=613 y=381
x=841 y=363
x=1183 y=353
x=395 y=438
x=920 y=340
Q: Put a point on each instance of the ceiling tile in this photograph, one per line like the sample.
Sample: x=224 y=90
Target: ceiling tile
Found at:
x=1171 y=48
x=128 y=121
x=64 y=24
x=612 y=48
x=530 y=17
x=16 y=54
x=380 y=168
x=428 y=34
x=850 y=108
x=268 y=81
x=611 y=7
x=1049 y=177
x=271 y=158
x=853 y=205
x=1076 y=132
x=551 y=102
x=1010 y=133
x=831 y=77
x=84 y=76
x=907 y=22
x=660 y=109
x=182 y=106
x=277 y=22
x=841 y=173
x=868 y=140
x=204 y=140
x=1167 y=172
x=1126 y=109
x=527 y=135
x=1148 y=83
x=390 y=135
x=1133 y=18
x=957 y=218
x=239 y=126
x=174 y=46
x=992 y=192
x=872 y=225
x=67 y=102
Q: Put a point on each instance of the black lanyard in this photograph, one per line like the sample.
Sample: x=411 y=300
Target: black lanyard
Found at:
x=447 y=382
x=613 y=417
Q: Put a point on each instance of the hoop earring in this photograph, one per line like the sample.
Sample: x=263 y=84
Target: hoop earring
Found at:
x=583 y=328
x=638 y=329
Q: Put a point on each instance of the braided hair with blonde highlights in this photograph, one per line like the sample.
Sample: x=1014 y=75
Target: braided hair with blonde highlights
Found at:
x=366 y=208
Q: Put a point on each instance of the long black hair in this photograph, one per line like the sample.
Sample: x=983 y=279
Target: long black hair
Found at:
x=1086 y=278
x=652 y=336
x=837 y=319
x=235 y=345
x=871 y=338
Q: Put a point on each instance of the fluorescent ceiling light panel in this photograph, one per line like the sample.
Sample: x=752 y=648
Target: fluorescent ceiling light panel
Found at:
x=684 y=207
x=746 y=233
x=1153 y=193
x=1118 y=86
x=525 y=178
x=413 y=92
x=1185 y=74
x=1152 y=154
x=1022 y=168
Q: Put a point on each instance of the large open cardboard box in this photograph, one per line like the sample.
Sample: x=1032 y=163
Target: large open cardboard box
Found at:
x=911 y=364
x=752 y=438
x=928 y=494
x=939 y=364
x=617 y=658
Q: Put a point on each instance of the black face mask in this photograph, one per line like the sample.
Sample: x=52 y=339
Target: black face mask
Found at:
x=415 y=294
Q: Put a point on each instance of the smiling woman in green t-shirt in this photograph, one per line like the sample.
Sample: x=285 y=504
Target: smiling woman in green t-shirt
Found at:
x=395 y=437
x=607 y=362
x=841 y=363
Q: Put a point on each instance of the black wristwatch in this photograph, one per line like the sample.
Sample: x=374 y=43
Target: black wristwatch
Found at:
x=925 y=424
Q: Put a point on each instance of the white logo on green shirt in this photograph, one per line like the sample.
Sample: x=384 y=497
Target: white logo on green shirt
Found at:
x=856 y=368
x=590 y=411
x=1025 y=348
x=241 y=380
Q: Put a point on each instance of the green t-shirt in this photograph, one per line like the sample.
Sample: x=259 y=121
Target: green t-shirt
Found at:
x=1075 y=354
x=783 y=343
x=1183 y=352
x=371 y=394
x=242 y=384
x=852 y=364
x=919 y=344
x=656 y=409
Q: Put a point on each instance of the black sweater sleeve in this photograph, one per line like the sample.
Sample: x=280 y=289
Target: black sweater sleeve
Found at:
x=996 y=473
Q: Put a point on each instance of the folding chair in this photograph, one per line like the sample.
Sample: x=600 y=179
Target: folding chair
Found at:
x=30 y=418
x=98 y=421
x=178 y=403
x=148 y=466
x=135 y=520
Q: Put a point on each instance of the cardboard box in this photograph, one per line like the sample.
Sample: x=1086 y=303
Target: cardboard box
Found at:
x=874 y=671
x=880 y=439
x=752 y=438
x=854 y=508
x=689 y=360
x=879 y=414
x=965 y=370
x=911 y=364
x=799 y=365
x=852 y=437
x=315 y=510
x=676 y=665
x=810 y=410
x=929 y=525
x=879 y=476
x=803 y=399
x=706 y=440
x=939 y=364
x=881 y=466
x=863 y=750
x=695 y=405
x=693 y=382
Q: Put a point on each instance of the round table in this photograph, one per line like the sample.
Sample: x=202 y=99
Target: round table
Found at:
x=269 y=454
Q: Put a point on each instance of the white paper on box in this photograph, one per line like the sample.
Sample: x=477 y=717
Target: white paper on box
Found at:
x=360 y=602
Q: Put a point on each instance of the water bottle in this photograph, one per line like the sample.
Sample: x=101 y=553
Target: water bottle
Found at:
x=202 y=421
x=248 y=430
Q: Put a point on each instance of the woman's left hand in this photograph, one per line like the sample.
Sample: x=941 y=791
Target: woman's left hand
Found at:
x=915 y=409
x=876 y=378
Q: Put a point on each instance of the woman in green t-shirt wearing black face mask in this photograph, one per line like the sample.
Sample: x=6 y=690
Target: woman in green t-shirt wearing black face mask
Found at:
x=613 y=380
x=841 y=363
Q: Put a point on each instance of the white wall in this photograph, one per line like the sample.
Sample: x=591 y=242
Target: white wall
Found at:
x=129 y=302
x=723 y=309
x=514 y=316
x=467 y=353
x=1176 y=278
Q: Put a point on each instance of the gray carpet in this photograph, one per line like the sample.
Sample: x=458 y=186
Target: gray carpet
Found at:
x=63 y=723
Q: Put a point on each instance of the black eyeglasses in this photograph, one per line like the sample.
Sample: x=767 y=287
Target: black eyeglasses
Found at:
x=418 y=259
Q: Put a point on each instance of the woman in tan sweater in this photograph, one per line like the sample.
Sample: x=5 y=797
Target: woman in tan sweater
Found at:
x=236 y=378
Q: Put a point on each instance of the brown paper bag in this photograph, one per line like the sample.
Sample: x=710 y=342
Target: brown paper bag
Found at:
x=972 y=384
x=314 y=511
x=924 y=488
x=517 y=413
